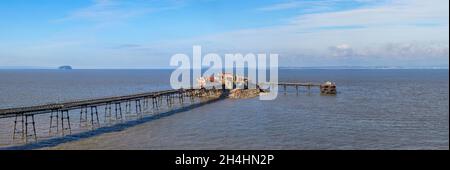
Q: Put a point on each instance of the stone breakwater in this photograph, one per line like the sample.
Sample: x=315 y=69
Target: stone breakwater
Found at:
x=233 y=94
x=244 y=93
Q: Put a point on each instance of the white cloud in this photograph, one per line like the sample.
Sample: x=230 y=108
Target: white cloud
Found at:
x=117 y=10
x=394 y=13
x=311 y=5
x=281 y=6
x=343 y=46
x=399 y=32
x=341 y=50
x=403 y=32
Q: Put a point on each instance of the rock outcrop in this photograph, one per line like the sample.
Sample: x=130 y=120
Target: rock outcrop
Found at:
x=243 y=93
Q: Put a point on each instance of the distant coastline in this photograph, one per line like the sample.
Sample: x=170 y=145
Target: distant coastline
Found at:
x=370 y=67
x=282 y=68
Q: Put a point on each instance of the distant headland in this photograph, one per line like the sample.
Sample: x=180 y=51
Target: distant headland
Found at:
x=65 y=68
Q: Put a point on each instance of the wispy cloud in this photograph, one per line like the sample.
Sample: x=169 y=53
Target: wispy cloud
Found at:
x=400 y=32
x=314 y=5
x=340 y=27
x=390 y=33
x=281 y=6
x=392 y=50
x=117 y=10
x=126 y=46
x=395 y=13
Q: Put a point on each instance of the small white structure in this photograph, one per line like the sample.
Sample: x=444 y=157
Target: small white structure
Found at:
x=201 y=82
x=226 y=79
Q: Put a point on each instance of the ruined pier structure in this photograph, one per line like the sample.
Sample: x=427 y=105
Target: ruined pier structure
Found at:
x=114 y=109
x=231 y=81
x=327 y=88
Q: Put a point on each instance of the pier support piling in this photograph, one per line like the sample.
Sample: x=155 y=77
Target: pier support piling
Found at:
x=138 y=106
x=128 y=107
x=108 y=112
x=94 y=111
x=54 y=115
x=118 y=110
x=67 y=118
x=24 y=121
x=22 y=125
x=83 y=118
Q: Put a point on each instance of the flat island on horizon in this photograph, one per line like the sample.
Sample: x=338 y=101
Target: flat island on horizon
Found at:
x=65 y=68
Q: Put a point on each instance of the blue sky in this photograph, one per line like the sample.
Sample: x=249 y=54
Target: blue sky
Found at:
x=146 y=33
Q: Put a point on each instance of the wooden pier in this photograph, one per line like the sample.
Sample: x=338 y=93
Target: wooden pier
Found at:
x=327 y=88
x=114 y=108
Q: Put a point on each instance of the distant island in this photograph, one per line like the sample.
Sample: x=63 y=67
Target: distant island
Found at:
x=65 y=68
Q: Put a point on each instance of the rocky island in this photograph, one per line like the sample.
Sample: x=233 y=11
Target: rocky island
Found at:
x=65 y=68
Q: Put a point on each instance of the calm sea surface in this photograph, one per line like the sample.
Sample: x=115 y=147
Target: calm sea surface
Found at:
x=375 y=109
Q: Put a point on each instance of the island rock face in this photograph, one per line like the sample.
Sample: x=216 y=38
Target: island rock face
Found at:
x=233 y=94
x=65 y=68
x=244 y=93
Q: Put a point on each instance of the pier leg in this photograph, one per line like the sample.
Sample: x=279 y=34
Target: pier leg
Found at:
x=26 y=129
x=172 y=99
x=285 y=90
x=22 y=123
x=146 y=103
x=25 y=121
x=153 y=102
x=56 y=117
x=118 y=109
x=167 y=100
x=128 y=107
x=34 y=128
x=83 y=119
x=15 y=127
x=143 y=104
x=296 y=87
x=67 y=118
x=92 y=116
x=160 y=102
x=108 y=111
x=180 y=98
x=62 y=122
x=94 y=111
x=96 y=114
x=138 y=106
x=157 y=102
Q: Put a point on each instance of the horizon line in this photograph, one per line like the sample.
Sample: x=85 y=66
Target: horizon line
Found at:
x=165 y=68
